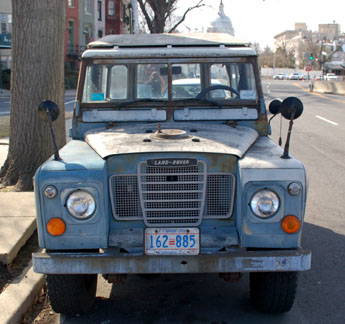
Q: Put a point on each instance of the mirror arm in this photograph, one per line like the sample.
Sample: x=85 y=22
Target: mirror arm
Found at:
x=287 y=143
x=56 y=151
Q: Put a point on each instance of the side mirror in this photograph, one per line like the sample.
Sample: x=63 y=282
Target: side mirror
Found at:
x=46 y=108
x=274 y=106
x=291 y=108
x=49 y=111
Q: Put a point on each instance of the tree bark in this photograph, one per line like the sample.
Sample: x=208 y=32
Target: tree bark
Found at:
x=37 y=74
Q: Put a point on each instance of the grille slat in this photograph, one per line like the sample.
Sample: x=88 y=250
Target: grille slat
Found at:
x=172 y=196
x=160 y=189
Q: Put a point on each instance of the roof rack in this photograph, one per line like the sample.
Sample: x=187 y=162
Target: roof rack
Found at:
x=168 y=40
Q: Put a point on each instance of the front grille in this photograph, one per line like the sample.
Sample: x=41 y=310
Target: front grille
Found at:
x=124 y=196
x=219 y=195
x=172 y=196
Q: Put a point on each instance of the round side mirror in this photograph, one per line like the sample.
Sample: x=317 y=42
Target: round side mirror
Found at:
x=274 y=106
x=48 y=106
x=290 y=105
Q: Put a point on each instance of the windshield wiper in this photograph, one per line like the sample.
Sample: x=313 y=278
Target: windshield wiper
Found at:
x=212 y=102
x=129 y=103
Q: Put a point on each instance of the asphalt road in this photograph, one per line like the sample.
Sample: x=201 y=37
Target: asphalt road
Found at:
x=5 y=105
x=318 y=139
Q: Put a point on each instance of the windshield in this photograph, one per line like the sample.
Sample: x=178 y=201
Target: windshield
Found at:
x=118 y=82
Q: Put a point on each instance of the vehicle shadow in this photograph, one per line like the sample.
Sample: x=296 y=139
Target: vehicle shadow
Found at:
x=206 y=298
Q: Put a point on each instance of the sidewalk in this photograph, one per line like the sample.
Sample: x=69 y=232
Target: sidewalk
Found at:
x=17 y=224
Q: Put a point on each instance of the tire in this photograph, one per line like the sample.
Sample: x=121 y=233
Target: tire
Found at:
x=273 y=292
x=71 y=294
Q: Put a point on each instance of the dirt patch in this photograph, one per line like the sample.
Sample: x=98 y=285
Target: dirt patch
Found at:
x=4 y=126
x=11 y=272
x=41 y=311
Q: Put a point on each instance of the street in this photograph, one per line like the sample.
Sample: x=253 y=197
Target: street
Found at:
x=5 y=105
x=318 y=140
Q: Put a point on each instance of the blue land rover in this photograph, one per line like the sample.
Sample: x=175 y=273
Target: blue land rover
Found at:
x=170 y=170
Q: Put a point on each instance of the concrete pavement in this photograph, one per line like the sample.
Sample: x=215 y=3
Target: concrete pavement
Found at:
x=17 y=224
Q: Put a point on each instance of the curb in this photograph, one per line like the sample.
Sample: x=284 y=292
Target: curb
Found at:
x=19 y=296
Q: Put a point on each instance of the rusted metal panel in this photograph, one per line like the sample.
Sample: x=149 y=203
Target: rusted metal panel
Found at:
x=253 y=261
x=207 y=138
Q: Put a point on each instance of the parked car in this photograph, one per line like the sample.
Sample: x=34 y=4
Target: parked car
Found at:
x=331 y=76
x=319 y=77
x=281 y=76
x=190 y=88
x=296 y=76
x=157 y=182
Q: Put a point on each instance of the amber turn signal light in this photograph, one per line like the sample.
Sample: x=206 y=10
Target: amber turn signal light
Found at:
x=291 y=224
x=56 y=226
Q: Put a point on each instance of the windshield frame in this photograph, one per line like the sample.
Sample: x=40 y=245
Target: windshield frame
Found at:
x=168 y=102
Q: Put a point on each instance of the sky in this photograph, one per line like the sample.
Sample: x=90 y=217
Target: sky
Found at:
x=260 y=20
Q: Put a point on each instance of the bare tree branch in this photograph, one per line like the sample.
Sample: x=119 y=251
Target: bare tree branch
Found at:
x=162 y=12
x=145 y=13
x=198 y=5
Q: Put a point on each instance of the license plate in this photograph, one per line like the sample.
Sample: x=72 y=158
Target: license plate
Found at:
x=172 y=241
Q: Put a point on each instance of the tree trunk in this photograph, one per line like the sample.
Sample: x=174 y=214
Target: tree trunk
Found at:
x=37 y=74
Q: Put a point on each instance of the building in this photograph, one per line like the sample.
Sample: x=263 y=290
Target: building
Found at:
x=330 y=31
x=72 y=50
x=5 y=33
x=120 y=16
x=99 y=21
x=222 y=24
x=88 y=20
x=305 y=43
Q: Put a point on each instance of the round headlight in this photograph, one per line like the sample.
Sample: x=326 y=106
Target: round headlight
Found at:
x=81 y=204
x=294 y=188
x=264 y=203
x=50 y=192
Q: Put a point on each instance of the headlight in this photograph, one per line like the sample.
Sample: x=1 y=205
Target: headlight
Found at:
x=264 y=203
x=81 y=204
x=50 y=192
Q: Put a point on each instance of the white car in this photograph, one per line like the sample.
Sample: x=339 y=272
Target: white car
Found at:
x=331 y=76
x=280 y=76
x=190 y=88
x=296 y=76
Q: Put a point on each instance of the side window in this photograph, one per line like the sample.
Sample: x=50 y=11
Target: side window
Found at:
x=118 y=82
x=95 y=83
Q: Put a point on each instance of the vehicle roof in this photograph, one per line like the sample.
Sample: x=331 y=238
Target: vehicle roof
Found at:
x=168 y=45
x=164 y=40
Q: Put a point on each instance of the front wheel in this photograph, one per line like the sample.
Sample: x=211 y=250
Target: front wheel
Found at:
x=71 y=294
x=273 y=292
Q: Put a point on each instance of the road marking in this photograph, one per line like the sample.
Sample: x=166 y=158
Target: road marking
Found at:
x=327 y=120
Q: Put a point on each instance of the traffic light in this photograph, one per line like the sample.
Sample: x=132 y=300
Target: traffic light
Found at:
x=311 y=57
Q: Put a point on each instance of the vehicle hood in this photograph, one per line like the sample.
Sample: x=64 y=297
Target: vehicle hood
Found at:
x=142 y=138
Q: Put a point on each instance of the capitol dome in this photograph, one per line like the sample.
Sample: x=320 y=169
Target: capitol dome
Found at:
x=222 y=24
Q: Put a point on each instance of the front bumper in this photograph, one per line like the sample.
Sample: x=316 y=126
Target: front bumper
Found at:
x=222 y=262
